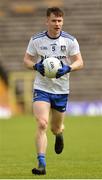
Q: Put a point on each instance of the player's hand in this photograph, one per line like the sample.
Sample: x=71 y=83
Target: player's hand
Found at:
x=39 y=67
x=64 y=70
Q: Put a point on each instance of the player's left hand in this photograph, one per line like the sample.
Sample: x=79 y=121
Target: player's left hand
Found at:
x=64 y=70
x=39 y=67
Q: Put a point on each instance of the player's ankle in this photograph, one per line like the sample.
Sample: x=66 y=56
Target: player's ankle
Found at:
x=41 y=160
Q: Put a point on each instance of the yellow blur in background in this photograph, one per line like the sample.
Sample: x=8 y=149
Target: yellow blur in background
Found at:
x=12 y=102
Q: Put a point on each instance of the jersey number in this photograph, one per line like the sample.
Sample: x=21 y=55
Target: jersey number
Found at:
x=53 y=48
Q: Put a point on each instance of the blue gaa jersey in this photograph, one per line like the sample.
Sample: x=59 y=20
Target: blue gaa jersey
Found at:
x=41 y=46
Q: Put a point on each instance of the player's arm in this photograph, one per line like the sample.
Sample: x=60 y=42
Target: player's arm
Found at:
x=76 y=65
x=77 y=62
x=30 y=64
x=29 y=61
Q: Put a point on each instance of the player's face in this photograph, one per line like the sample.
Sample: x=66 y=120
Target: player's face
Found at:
x=54 y=24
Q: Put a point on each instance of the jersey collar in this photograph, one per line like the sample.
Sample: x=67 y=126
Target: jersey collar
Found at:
x=51 y=37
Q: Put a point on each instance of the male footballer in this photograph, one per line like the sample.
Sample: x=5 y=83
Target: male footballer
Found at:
x=51 y=95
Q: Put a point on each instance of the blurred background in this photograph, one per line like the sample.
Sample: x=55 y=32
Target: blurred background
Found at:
x=19 y=20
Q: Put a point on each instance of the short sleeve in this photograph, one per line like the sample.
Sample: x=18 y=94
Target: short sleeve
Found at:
x=74 y=48
x=31 y=49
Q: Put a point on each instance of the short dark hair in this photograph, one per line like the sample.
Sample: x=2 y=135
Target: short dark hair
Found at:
x=55 y=10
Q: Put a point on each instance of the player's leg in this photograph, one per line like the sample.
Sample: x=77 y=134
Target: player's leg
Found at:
x=41 y=112
x=58 y=105
x=57 y=127
x=57 y=121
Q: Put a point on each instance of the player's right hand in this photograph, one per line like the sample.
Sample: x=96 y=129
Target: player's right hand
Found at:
x=39 y=67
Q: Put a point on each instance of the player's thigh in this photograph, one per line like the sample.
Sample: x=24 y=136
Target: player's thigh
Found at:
x=57 y=118
x=41 y=110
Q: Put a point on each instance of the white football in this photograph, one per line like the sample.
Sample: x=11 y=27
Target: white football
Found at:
x=51 y=66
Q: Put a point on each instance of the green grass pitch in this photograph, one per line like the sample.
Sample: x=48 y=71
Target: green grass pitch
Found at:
x=81 y=158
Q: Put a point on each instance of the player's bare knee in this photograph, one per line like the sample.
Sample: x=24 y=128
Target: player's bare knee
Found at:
x=43 y=124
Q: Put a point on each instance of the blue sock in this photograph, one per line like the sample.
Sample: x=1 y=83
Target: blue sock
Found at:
x=41 y=159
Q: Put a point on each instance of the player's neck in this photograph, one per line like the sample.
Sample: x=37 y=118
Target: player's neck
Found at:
x=53 y=35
